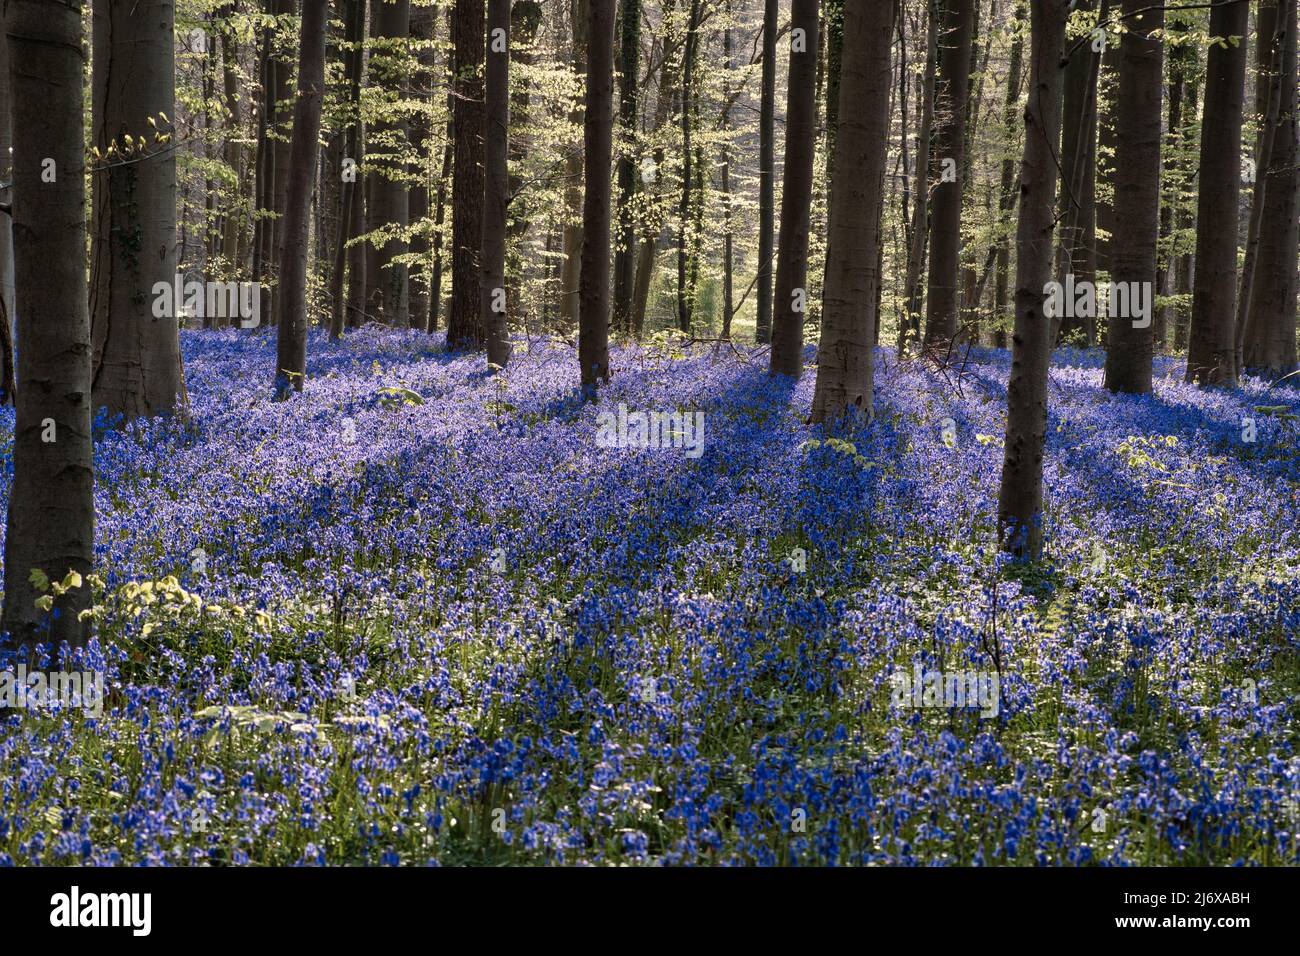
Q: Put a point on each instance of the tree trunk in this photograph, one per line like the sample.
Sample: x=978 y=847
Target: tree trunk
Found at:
x=51 y=520
x=282 y=111
x=1078 y=210
x=598 y=133
x=389 y=294
x=234 y=150
x=423 y=21
x=1020 y=497
x=291 y=351
x=684 y=302
x=942 y=297
x=844 y=372
x=625 y=250
x=1269 y=345
x=1137 y=196
x=1211 y=352
x=728 y=304
x=1006 y=187
x=573 y=182
x=6 y=175
x=465 y=325
x=496 y=192
x=791 y=293
x=921 y=214
x=349 y=313
x=137 y=369
x=766 y=175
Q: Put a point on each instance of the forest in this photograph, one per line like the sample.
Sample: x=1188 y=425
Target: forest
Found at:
x=649 y=433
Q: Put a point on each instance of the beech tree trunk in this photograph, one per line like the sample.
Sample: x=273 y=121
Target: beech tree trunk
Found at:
x=389 y=294
x=1078 y=210
x=1211 y=351
x=496 y=195
x=625 y=250
x=598 y=135
x=1020 y=496
x=281 y=155
x=1006 y=187
x=291 y=351
x=465 y=325
x=912 y=289
x=51 y=518
x=1270 y=346
x=942 y=296
x=1137 y=194
x=349 y=313
x=137 y=369
x=570 y=273
x=1268 y=62
x=844 y=368
x=796 y=193
x=766 y=175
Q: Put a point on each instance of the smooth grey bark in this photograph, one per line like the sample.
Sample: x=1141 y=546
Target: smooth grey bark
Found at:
x=51 y=519
x=388 y=290
x=496 y=183
x=291 y=351
x=1020 y=495
x=571 y=268
x=137 y=370
x=628 y=97
x=1211 y=351
x=943 y=299
x=1269 y=343
x=1137 y=194
x=464 y=320
x=791 y=286
x=598 y=141
x=913 y=291
x=766 y=175
x=844 y=368
x=344 y=310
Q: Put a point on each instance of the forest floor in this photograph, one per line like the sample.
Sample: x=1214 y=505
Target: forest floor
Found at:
x=418 y=614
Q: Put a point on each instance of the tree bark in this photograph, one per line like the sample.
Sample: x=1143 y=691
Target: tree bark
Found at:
x=1270 y=346
x=942 y=296
x=598 y=133
x=1078 y=212
x=1020 y=497
x=625 y=250
x=570 y=274
x=1211 y=351
x=389 y=293
x=1137 y=194
x=348 y=313
x=1268 y=57
x=496 y=194
x=137 y=370
x=281 y=131
x=291 y=351
x=1006 y=187
x=844 y=370
x=766 y=175
x=51 y=519
x=912 y=288
x=465 y=325
x=796 y=193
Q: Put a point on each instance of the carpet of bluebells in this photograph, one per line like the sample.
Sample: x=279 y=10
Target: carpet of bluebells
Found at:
x=431 y=621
